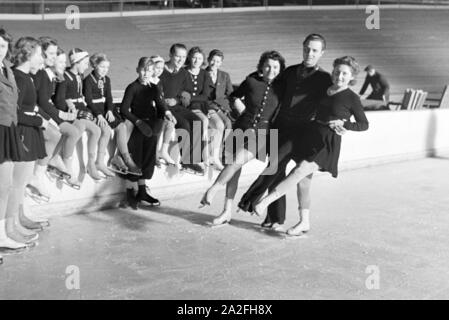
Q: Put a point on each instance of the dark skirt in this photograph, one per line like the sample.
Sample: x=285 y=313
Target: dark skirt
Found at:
x=11 y=146
x=118 y=119
x=33 y=143
x=200 y=105
x=320 y=144
x=143 y=151
x=255 y=141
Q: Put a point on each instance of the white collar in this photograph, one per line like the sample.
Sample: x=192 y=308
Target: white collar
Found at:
x=50 y=73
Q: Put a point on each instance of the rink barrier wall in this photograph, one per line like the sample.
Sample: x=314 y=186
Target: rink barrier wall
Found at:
x=393 y=136
x=142 y=13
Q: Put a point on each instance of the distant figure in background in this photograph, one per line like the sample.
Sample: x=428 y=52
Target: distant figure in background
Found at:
x=379 y=85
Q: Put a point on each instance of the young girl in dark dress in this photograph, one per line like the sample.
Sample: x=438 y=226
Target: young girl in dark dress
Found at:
x=261 y=100
x=319 y=147
x=98 y=93
x=31 y=124
x=11 y=146
x=69 y=98
x=143 y=105
x=198 y=85
x=168 y=127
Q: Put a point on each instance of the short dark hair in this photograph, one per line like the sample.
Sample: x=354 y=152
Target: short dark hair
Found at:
x=177 y=46
x=351 y=63
x=315 y=37
x=215 y=52
x=46 y=42
x=273 y=55
x=192 y=52
x=8 y=38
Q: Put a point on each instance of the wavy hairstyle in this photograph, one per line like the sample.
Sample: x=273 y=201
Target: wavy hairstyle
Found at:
x=273 y=55
x=351 y=63
x=23 y=49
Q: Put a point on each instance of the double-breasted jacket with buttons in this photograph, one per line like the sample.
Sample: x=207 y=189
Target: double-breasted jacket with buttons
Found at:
x=261 y=99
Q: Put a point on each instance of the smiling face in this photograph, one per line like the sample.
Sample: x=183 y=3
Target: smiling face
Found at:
x=60 y=64
x=3 y=48
x=179 y=57
x=102 y=68
x=158 y=69
x=271 y=69
x=342 y=76
x=36 y=60
x=50 y=55
x=215 y=63
x=197 y=60
x=312 y=52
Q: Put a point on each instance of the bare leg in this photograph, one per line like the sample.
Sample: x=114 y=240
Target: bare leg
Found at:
x=52 y=137
x=105 y=137
x=71 y=139
x=231 y=190
x=6 y=176
x=217 y=138
x=243 y=156
x=304 y=199
x=301 y=171
x=22 y=173
x=205 y=138
x=94 y=133
x=167 y=136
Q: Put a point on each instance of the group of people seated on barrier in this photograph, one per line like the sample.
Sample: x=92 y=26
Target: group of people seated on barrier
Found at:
x=48 y=100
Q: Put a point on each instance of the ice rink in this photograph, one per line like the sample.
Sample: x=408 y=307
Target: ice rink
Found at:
x=389 y=221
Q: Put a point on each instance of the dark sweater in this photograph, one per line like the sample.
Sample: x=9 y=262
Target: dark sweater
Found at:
x=380 y=87
x=261 y=102
x=142 y=102
x=45 y=89
x=69 y=89
x=301 y=93
x=199 y=86
x=96 y=88
x=27 y=100
x=343 y=105
x=174 y=83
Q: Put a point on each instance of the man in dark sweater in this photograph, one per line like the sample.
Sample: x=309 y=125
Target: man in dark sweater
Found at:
x=173 y=80
x=379 y=85
x=302 y=85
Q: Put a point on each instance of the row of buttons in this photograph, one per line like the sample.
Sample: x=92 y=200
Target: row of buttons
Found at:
x=258 y=116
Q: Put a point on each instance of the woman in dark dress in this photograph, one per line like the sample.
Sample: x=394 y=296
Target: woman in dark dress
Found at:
x=32 y=121
x=319 y=147
x=219 y=103
x=198 y=85
x=143 y=105
x=11 y=147
x=261 y=100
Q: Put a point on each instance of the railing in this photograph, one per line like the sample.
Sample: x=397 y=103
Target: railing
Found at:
x=59 y=6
